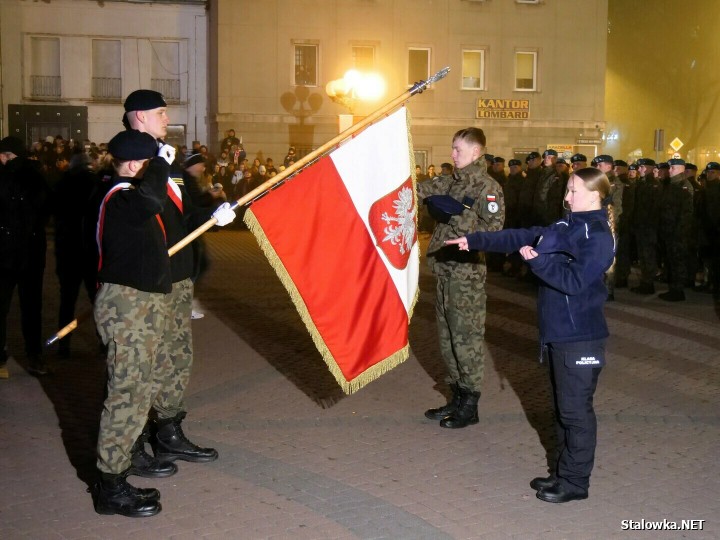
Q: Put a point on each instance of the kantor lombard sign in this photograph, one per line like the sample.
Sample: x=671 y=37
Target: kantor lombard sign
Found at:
x=503 y=109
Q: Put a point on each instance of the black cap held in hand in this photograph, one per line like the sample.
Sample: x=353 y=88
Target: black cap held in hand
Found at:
x=132 y=145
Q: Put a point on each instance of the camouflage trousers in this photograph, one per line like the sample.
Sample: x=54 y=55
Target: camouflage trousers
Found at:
x=460 y=313
x=132 y=324
x=176 y=354
x=623 y=255
x=647 y=255
x=676 y=262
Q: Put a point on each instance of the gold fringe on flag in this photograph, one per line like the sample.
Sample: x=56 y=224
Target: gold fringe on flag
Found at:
x=366 y=376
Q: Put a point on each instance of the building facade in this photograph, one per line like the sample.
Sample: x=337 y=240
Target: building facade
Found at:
x=67 y=65
x=530 y=73
x=662 y=77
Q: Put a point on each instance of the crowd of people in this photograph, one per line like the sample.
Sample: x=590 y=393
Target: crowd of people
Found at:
x=667 y=216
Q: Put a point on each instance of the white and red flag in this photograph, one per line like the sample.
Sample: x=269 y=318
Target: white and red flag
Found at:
x=342 y=237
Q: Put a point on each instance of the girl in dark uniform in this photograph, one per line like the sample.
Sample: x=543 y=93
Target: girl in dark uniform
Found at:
x=570 y=258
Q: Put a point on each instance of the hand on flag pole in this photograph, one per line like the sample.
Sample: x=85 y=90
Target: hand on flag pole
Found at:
x=224 y=214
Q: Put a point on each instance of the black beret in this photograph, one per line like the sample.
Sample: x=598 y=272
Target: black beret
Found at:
x=489 y=157
x=602 y=158
x=498 y=159
x=14 y=145
x=675 y=161
x=620 y=163
x=194 y=160
x=712 y=166
x=561 y=161
x=550 y=152
x=577 y=157
x=691 y=167
x=532 y=155
x=514 y=162
x=645 y=161
x=144 y=100
x=132 y=145
x=446 y=166
x=663 y=165
x=632 y=167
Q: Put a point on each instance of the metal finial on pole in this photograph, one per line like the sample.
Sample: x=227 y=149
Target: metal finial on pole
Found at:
x=419 y=86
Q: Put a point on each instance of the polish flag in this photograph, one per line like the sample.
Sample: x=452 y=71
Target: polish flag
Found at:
x=342 y=237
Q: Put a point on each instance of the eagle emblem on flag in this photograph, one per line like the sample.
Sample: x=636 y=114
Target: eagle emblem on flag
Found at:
x=393 y=222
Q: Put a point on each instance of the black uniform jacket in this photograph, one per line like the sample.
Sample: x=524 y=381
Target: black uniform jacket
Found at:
x=134 y=249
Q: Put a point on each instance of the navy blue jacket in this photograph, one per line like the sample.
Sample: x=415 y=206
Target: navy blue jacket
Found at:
x=573 y=256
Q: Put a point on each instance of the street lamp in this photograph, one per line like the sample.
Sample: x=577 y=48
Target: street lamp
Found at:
x=352 y=88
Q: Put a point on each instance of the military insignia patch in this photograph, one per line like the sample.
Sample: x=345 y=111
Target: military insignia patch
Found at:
x=492 y=205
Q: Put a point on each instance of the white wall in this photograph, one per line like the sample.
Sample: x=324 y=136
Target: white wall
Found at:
x=76 y=23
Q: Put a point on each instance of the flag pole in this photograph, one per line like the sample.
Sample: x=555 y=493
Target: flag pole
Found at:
x=417 y=88
x=263 y=188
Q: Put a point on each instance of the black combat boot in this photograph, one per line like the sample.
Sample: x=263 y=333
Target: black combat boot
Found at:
x=171 y=443
x=113 y=495
x=644 y=288
x=449 y=408
x=143 y=464
x=673 y=295
x=467 y=412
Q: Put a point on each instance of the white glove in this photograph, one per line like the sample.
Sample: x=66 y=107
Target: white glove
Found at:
x=224 y=214
x=167 y=152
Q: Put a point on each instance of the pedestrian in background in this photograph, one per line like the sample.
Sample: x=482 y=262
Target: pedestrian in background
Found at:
x=24 y=210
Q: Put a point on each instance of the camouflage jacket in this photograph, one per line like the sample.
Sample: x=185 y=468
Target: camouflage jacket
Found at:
x=617 y=189
x=486 y=214
x=647 y=199
x=676 y=208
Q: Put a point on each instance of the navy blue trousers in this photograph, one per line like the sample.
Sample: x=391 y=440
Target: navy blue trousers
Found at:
x=575 y=368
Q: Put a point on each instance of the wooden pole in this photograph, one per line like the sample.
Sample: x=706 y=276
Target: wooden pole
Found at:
x=263 y=188
x=302 y=163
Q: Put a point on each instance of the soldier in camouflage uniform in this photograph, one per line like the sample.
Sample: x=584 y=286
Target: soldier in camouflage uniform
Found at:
x=146 y=111
x=468 y=201
x=709 y=224
x=676 y=215
x=497 y=172
x=533 y=172
x=623 y=227
x=578 y=161
x=513 y=218
x=548 y=208
x=131 y=313
x=605 y=163
x=645 y=224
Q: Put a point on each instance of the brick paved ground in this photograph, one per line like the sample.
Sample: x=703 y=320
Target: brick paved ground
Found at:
x=298 y=459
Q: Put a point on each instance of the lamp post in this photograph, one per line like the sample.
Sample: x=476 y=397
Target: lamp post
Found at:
x=352 y=88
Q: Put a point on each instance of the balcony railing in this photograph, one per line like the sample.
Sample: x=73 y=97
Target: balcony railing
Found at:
x=106 y=88
x=169 y=88
x=44 y=86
